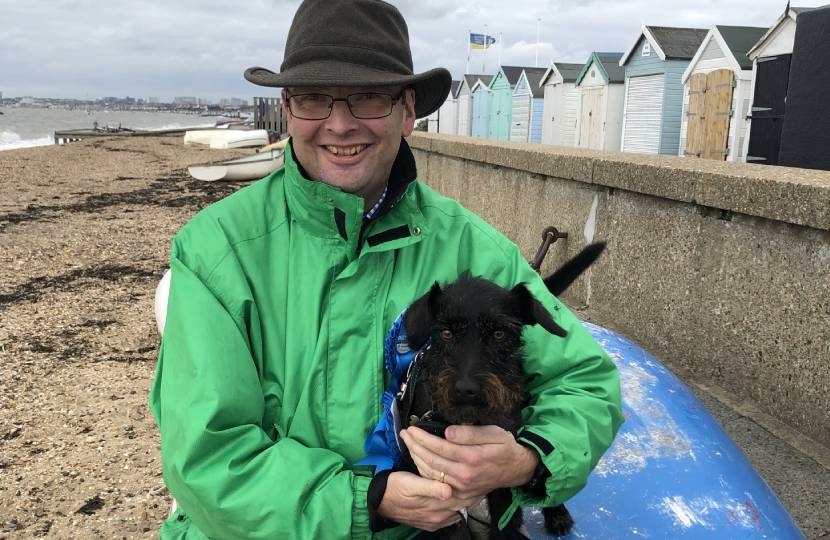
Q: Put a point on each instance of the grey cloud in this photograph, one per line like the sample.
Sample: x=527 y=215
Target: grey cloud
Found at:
x=90 y=48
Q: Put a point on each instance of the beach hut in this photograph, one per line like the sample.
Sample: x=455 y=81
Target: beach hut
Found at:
x=481 y=106
x=716 y=92
x=771 y=58
x=654 y=66
x=601 y=85
x=448 y=112
x=528 y=101
x=561 y=102
x=805 y=138
x=501 y=101
x=465 y=104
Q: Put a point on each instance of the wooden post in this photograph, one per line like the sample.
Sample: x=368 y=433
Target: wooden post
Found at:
x=268 y=114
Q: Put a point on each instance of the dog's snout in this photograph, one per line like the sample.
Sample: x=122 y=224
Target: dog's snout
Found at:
x=466 y=389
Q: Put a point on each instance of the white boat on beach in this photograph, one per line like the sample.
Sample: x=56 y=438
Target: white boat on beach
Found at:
x=226 y=138
x=244 y=168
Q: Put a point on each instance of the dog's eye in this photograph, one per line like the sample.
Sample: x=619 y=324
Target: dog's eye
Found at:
x=499 y=335
x=446 y=335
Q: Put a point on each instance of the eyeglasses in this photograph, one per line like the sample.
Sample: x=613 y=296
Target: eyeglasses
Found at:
x=365 y=105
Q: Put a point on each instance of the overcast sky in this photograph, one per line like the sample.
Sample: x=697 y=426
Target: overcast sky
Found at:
x=96 y=48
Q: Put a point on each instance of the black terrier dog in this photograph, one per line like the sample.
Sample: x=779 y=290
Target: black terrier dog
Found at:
x=471 y=371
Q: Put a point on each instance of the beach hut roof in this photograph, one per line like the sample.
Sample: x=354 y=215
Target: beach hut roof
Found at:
x=481 y=80
x=734 y=41
x=512 y=73
x=669 y=42
x=789 y=13
x=740 y=39
x=455 y=88
x=569 y=72
x=609 y=67
x=534 y=77
x=471 y=79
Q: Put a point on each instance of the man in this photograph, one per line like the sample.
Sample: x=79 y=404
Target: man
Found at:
x=271 y=368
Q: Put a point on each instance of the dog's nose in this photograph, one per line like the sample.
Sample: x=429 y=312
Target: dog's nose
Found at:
x=466 y=389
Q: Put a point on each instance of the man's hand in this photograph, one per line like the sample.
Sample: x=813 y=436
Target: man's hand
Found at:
x=475 y=460
x=419 y=502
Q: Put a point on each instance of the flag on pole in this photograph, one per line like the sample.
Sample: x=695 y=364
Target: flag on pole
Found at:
x=481 y=41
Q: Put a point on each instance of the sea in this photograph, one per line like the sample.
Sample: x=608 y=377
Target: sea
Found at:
x=23 y=127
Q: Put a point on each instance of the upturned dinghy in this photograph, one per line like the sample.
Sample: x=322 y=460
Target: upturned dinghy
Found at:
x=244 y=168
x=672 y=472
x=222 y=139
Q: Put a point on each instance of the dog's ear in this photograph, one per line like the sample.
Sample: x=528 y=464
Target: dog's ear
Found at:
x=533 y=312
x=420 y=317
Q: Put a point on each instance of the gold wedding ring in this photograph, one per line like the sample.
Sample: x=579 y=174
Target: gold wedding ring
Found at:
x=441 y=477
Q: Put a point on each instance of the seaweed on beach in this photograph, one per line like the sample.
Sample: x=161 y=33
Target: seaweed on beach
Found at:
x=32 y=290
x=174 y=191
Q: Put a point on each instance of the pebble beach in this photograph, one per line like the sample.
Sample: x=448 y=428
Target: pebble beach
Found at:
x=85 y=230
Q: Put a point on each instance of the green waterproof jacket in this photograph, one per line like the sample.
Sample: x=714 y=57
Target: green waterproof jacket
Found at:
x=271 y=366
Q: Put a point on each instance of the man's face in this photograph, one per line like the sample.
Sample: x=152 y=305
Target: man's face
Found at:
x=352 y=154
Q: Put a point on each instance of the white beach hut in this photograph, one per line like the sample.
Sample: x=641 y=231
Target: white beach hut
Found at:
x=561 y=102
x=771 y=58
x=601 y=98
x=448 y=112
x=716 y=90
x=465 y=104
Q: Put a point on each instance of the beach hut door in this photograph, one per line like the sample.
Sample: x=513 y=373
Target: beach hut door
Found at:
x=590 y=124
x=771 y=81
x=709 y=114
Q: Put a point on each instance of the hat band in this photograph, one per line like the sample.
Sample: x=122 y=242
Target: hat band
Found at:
x=373 y=59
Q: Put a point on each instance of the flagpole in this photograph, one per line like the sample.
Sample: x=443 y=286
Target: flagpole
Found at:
x=469 y=49
x=486 y=47
x=501 y=41
x=538 y=20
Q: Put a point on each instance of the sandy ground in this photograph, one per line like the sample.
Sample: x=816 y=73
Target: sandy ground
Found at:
x=84 y=234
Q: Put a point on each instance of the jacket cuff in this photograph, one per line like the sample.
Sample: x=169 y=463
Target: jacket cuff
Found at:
x=536 y=490
x=360 y=516
x=374 y=496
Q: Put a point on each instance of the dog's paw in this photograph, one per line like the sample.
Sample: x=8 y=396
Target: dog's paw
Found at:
x=558 y=520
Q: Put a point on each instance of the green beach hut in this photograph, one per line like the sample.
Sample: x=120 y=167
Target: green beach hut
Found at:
x=501 y=101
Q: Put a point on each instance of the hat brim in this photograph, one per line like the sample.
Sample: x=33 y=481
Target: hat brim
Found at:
x=431 y=87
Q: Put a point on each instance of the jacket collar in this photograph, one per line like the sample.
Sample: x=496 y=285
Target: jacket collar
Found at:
x=328 y=212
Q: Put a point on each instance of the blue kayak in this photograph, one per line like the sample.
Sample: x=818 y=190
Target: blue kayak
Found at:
x=672 y=471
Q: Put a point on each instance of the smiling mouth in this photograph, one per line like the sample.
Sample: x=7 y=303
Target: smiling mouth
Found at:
x=346 y=150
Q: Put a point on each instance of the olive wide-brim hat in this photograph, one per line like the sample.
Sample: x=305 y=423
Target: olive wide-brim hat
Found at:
x=353 y=43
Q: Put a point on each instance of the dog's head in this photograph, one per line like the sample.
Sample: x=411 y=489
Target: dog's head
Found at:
x=474 y=363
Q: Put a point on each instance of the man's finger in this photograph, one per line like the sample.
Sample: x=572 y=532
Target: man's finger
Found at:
x=433 y=468
x=437 y=446
x=424 y=487
x=473 y=435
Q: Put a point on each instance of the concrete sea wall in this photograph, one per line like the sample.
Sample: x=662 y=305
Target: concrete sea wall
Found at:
x=722 y=269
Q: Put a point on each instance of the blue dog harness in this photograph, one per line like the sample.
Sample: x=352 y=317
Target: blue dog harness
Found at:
x=383 y=446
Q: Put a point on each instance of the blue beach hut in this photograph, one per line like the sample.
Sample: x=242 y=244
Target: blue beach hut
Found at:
x=654 y=66
x=528 y=102
x=501 y=101
x=481 y=106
